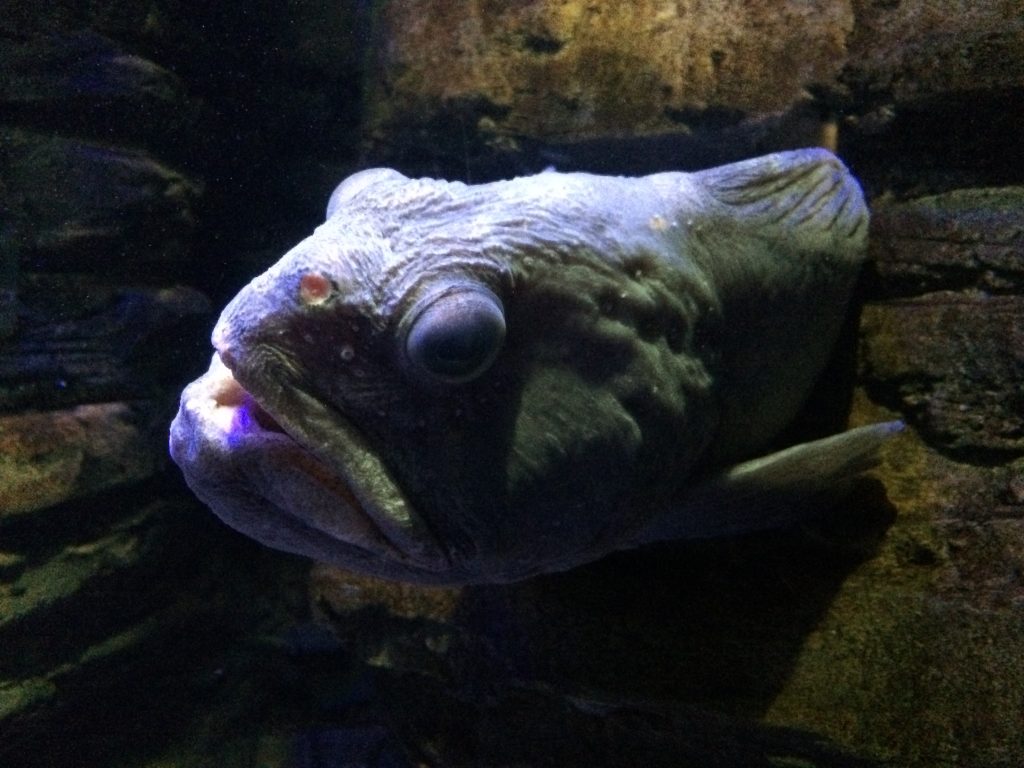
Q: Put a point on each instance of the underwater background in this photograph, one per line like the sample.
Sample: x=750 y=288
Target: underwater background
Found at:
x=155 y=156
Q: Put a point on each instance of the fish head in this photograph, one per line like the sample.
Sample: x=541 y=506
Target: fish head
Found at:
x=451 y=392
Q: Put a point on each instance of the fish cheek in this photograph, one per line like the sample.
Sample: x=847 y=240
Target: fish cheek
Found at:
x=572 y=458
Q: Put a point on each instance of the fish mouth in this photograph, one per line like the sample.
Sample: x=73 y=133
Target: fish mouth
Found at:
x=332 y=456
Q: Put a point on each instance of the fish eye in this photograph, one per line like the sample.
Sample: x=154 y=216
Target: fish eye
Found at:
x=454 y=336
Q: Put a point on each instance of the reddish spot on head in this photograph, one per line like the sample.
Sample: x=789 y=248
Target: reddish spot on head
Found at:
x=314 y=288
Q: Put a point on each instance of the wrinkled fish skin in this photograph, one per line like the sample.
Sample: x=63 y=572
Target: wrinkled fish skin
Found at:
x=449 y=383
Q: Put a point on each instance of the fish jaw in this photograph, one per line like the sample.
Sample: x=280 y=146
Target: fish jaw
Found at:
x=239 y=458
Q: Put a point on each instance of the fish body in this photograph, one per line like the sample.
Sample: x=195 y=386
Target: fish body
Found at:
x=450 y=383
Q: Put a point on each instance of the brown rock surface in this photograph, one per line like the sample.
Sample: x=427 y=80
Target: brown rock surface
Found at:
x=51 y=457
x=489 y=79
x=953 y=363
x=915 y=660
x=912 y=50
x=578 y=69
x=968 y=238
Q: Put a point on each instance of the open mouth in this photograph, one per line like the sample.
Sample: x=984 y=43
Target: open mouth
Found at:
x=321 y=471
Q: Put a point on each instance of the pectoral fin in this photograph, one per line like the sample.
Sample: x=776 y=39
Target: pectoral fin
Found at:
x=772 y=491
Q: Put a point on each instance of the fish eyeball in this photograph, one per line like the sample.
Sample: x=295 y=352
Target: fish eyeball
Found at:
x=454 y=336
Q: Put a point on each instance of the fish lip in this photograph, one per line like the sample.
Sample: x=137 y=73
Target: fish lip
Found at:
x=410 y=541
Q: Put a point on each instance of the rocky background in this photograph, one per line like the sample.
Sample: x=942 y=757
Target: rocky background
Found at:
x=154 y=156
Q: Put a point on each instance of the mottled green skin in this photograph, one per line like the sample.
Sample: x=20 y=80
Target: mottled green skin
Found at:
x=657 y=327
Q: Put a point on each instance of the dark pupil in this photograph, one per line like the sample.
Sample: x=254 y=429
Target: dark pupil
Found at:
x=458 y=347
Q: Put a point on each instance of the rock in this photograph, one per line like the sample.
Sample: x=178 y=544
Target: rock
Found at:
x=943 y=338
x=48 y=458
x=396 y=626
x=496 y=89
x=922 y=50
x=953 y=364
x=445 y=80
x=339 y=591
x=84 y=340
x=96 y=204
x=117 y=601
x=135 y=603
x=539 y=727
x=79 y=582
x=588 y=69
x=9 y=244
x=930 y=616
x=83 y=123
x=929 y=93
x=965 y=239
x=83 y=84
x=11 y=564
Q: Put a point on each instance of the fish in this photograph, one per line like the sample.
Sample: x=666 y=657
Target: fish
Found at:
x=452 y=383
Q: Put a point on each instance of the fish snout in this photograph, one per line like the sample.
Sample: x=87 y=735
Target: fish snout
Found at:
x=251 y=316
x=221 y=338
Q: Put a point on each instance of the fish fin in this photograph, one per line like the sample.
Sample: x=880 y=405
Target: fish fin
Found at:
x=808 y=193
x=773 y=491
